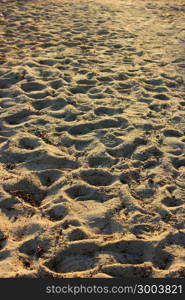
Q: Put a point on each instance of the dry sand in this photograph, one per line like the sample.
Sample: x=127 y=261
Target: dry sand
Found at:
x=92 y=142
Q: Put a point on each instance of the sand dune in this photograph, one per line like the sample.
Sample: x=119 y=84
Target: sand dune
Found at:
x=92 y=147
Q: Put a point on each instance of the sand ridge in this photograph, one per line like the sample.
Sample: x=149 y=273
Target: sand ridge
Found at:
x=92 y=138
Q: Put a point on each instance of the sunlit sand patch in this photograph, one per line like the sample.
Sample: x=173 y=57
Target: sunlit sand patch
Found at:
x=92 y=138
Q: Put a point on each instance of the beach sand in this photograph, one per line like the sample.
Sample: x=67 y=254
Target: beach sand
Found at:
x=92 y=145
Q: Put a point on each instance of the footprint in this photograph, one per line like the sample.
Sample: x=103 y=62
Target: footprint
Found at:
x=67 y=140
x=161 y=97
x=157 y=107
x=172 y=133
x=6 y=103
x=70 y=223
x=8 y=92
x=71 y=263
x=48 y=62
x=69 y=113
x=80 y=89
x=81 y=144
x=101 y=160
x=28 y=229
x=77 y=256
x=5 y=83
x=133 y=251
x=80 y=191
x=29 y=143
x=46 y=74
x=48 y=177
x=47 y=45
x=32 y=86
x=156 y=81
x=171 y=84
x=58 y=104
x=26 y=191
x=109 y=91
x=4 y=254
x=112 y=123
x=97 y=96
x=178 y=162
x=121 y=76
x=87 y=82
x=172 y=202
x=18 y=117
x=97 y=177
x=172 y=145
x=103 y=32
x=56 y=84
x=37 y=95
x=48 y=161
x=3 y=241
x=122 y=87
x=144 y=192
x=147 y=153
x=127 y=149
x=12 y=77
x=110 y=140
x=159 y=89
x=142 y=229
x=77 y=234
x=83 y=71
x=70 y=44
x=125 y=271
x=41 y=104
x=103 y=110
x=181 y=179
x=82 y=128
x=57 y=212
x=128 y=176
x=165 y=255
x=105 y=79
x=150 y=164
x=35 y=247
x=106 y=70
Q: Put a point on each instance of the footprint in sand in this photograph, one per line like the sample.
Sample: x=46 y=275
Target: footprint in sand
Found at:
x=92 y=139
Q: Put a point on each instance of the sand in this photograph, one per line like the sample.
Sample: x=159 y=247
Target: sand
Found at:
x=92 y=146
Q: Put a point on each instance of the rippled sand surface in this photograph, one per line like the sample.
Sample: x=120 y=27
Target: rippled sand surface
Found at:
x=92 y=145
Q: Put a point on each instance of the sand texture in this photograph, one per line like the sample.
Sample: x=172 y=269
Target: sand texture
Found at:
x=92 y=145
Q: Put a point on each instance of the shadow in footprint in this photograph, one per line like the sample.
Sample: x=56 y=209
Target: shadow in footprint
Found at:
x=18 y=117
x=29 y=143
x=81 y=192
x=35 y=247
x=32 y=86
x=4 y=254
x=48 y=161
x=97 y=177
x=172 y=202
x=3 y=240
x=57 y=212
x=125 y=271
x=48 y=177
x=164 y=254
x=78 y=256
x=26 y=191
x=71 y=263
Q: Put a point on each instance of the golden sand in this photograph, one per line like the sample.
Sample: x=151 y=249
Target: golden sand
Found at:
x=92 y=164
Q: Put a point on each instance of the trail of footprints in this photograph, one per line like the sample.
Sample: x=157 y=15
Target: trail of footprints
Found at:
x=92 y=145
